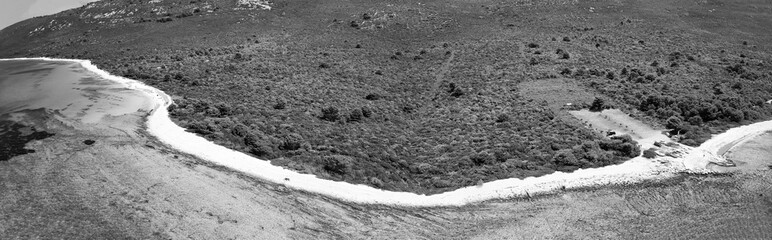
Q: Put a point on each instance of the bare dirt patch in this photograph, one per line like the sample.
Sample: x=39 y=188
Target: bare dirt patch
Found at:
x=559 y=94
x=616 y=122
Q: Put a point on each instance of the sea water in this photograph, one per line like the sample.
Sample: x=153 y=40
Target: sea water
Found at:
x=65 y=89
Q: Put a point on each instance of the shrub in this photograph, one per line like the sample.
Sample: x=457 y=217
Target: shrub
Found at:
x=501 y=155
x=623 y=144
x=184 y=15
x=224 y=109
x=366 y=112
x=339 y=164
x=454 y=90
x=199 y=127
x=610 y=75
x=289 y=145
x=330 y=114
x=240 y=130
x=689 y=142
x=291 y=142
x=457 y=92
x=649 y=153
x=255 y=146
x=427 y=168
x=533 y=61
x=597 y=105
x=751 y=114
x=376 y=182
x=695 y=120
x=502 y=118
x=581 y=72
x=260 y=151
x=630 y=149
x=674 y=122
x=661 y=71
x=165 y=19
x=355 y=116
x=408 y=109
x=279 y=106
x=624 y=138
x=734 y=114
x=373 y=97
x=481 y=158
x=565 y=157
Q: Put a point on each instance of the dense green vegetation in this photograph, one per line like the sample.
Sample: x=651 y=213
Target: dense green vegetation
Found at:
x=424 y=97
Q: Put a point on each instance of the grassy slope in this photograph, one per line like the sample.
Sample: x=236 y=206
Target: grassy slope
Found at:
x=420 y=136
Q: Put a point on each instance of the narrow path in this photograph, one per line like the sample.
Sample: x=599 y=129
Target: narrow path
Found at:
x=440 y=75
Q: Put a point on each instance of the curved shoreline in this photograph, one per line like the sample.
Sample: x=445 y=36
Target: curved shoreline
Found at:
x=638 y=169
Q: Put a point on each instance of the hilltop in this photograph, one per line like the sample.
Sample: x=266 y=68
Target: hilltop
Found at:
x=426 y=96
